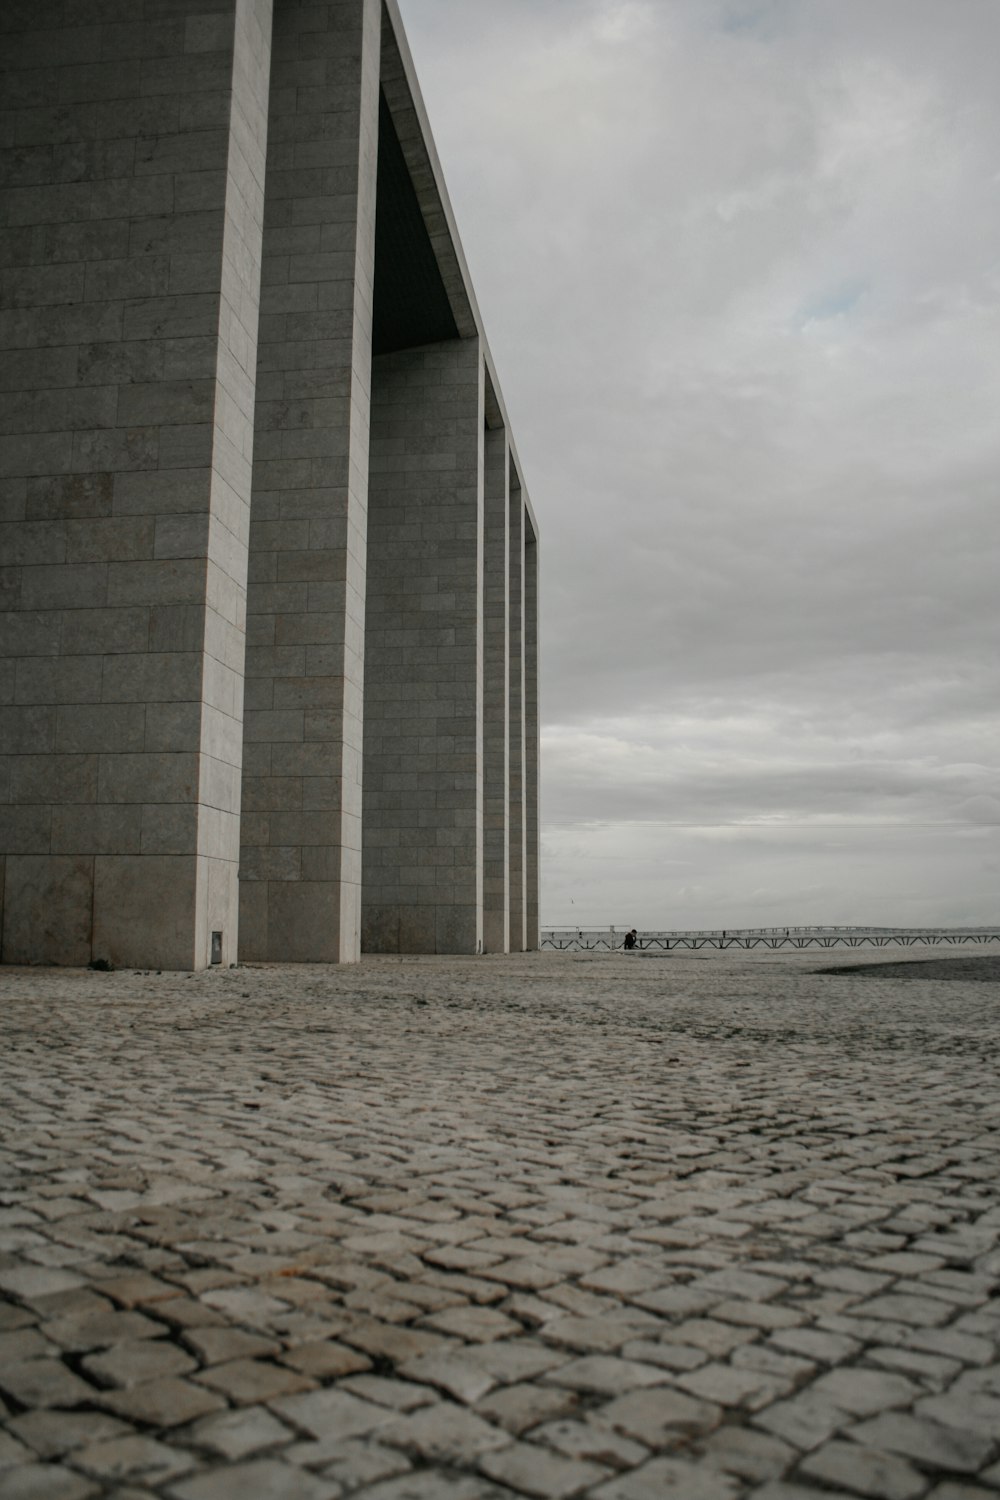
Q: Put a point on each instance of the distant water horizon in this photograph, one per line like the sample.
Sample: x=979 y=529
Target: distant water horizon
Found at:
x=780 y=927
x=856 y=935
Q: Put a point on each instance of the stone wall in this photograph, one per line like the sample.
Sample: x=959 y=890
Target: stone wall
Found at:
x=423 y=773
x=496 y=693
x=301 y=859
x=193 y=686
x=132 y=235
x=516 y=822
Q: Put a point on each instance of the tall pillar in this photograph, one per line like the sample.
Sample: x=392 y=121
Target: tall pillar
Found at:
x=301 y=856
x=516 y=825
x=496 y=686
x=423 y=784
x=531 y=745
x=132 y=258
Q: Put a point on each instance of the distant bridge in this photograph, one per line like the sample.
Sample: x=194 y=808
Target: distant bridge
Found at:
x=608 y=938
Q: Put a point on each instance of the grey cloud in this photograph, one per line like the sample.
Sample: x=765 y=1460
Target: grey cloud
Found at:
x=738 y=264
x=755 y=770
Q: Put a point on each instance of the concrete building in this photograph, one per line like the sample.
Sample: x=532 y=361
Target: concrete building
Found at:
x=269 y=567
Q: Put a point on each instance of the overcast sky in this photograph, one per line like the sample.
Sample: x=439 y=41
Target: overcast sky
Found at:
x=739 y=265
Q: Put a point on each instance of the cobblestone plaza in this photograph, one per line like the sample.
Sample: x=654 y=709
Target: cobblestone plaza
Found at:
x=462 y=1229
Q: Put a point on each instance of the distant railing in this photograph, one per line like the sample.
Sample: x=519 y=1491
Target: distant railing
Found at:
x=610 y=939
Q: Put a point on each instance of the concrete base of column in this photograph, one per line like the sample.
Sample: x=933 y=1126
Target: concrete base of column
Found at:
x=420 y=929
x=298 y=921
x=134 y=911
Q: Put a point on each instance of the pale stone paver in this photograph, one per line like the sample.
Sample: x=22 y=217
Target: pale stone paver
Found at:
x=42 y=1382
x=446 y=1434
x=666 y=1476
x=459 y=1376
x=135 y=1363
x=331 y=1414
x=237 y=1434
x=746 y=1453
x=961 y=1450
x=12 y=1453
x=50 y=1434
x=657 y=1417
x=45 y=1482
x=162 y=1403
x=532 y=1470
x=518 y=1408
x=264 y=1479
x=248 y=1381
x=547 y=1226
x=596 y=1443
x=135 y=1458
x=864 y=1471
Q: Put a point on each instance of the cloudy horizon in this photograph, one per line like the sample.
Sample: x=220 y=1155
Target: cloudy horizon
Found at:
x=738 y=264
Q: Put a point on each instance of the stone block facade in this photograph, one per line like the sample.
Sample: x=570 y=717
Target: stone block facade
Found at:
x=268 y=580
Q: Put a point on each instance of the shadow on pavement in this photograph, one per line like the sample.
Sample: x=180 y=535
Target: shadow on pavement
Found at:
x=985 y=969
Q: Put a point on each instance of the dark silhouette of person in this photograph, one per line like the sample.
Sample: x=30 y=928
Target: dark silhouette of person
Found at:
x=629 y=942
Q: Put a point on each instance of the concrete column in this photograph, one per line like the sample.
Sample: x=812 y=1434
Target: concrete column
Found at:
x=496 y=686
x=301 y=856
x=531 y=746
x=423 y=784
x=517 y=825
x=132 y=265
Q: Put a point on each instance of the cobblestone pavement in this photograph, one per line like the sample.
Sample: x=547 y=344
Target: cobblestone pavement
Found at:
x=546 y=1226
